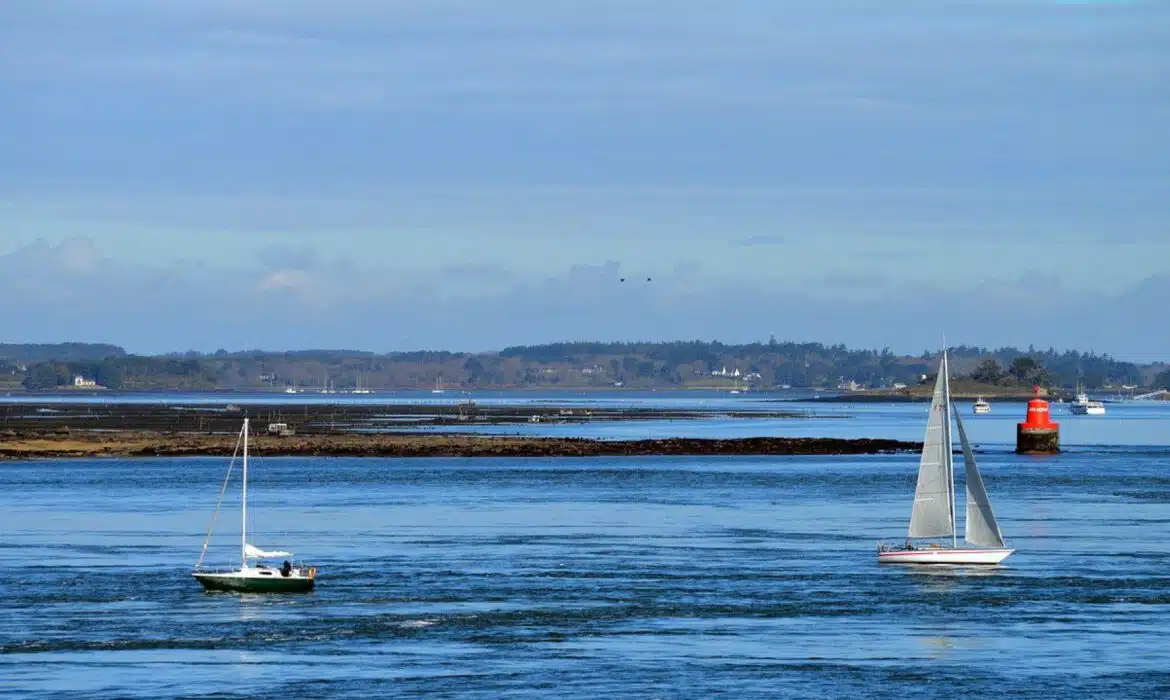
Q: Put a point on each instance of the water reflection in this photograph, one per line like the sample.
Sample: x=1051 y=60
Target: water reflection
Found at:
x=939 y=647
x=1039 y=525
x=946 y=579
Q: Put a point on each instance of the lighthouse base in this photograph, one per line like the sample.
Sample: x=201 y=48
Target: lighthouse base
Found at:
x=1037 y=441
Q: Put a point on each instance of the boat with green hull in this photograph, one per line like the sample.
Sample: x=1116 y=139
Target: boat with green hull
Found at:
x=258 y=580
x=251 y=577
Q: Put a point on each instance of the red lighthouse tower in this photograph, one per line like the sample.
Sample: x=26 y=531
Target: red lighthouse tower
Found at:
x=1037 y=434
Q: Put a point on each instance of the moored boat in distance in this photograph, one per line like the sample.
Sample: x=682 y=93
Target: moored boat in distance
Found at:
x=1084 y=406
x=252 y=578
x=981 y=407
x=933 y=514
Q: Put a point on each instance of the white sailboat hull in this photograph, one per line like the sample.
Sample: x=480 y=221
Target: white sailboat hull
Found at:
x=944 y=555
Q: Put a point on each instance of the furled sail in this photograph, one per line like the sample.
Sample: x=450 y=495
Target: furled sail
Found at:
x=981 y=526
x=932 y=512
x=256 y=553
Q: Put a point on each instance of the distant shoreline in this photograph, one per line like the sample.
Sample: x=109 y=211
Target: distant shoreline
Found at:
x=78 y=444
x=448 y=393
x=961 y=389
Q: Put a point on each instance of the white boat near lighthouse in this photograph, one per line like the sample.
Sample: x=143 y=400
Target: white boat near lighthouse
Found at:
x=932 y=516
x=1084 y=406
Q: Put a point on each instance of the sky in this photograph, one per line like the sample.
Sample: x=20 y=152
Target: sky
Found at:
x=456 y=174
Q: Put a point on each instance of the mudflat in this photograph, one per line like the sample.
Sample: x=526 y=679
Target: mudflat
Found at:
x=137 y=443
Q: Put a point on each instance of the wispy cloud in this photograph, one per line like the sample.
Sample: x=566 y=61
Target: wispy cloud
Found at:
x=521 y=53
x=760 y=240
x=851 y=280
x=46 y=297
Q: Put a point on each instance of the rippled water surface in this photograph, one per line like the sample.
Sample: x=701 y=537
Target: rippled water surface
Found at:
x=648 y=577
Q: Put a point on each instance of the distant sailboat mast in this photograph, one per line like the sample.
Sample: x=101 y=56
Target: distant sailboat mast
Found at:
x=244 y=508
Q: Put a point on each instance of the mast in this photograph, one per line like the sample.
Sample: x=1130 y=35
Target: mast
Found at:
x=949 y=456
x=244 y=509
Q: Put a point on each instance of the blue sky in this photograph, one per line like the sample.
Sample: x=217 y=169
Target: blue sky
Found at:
x=394 y=175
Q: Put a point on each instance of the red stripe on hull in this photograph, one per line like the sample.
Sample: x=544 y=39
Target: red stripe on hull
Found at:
x=917 y=552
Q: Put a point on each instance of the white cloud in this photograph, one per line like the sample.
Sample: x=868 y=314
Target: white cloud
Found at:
x=79 y=255
x=295 y=280
x=939 y=143
x=158 y=309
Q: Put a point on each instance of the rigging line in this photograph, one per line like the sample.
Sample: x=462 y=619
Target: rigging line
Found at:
x=218 y=503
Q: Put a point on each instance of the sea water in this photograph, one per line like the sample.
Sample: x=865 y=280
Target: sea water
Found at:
x=621 y=577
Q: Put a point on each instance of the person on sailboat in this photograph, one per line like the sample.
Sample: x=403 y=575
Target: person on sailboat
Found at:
x=286 y=569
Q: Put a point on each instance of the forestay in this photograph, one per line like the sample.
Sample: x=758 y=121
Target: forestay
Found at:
x=981 y=526
x=932 y=512
x=252 y=552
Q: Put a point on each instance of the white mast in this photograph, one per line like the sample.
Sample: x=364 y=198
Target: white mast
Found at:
x=950 y=458
x=244 y=509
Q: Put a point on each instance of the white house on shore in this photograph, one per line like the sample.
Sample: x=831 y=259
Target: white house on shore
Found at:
x=82 y=383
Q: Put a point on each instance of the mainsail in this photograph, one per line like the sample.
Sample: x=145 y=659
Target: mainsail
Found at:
x=252 y=552
x=981 y=526
x=932 y=515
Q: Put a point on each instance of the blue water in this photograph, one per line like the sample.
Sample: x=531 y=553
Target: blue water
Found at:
x=647 y=577
x=1129 y=424
x=1132 y=423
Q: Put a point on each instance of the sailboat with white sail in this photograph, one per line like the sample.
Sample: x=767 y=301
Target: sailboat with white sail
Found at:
x=933 y=514
x=252 y=577
x=359 y=389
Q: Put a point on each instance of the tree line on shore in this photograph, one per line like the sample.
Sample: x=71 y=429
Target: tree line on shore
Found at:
x=681 y=364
